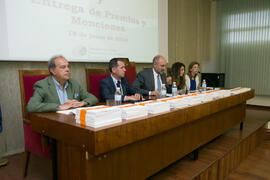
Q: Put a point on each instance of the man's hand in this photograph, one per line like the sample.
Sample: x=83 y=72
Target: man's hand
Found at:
x=155 y=93
x=71 y=104
x=135 y=97
x=78 y=104
x=64 y=107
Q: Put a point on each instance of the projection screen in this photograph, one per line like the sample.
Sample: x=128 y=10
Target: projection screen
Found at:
x=81 y=30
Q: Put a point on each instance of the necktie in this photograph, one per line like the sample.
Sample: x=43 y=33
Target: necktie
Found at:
x=158 y=84
x=118 y=84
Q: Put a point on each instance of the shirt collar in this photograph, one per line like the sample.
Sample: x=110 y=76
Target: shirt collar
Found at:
x=115 y=80
x=58 y=85
x=155 y=73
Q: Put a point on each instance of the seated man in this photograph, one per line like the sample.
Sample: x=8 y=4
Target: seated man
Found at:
x=117 y=79
x=149 y=81
x=58 y=91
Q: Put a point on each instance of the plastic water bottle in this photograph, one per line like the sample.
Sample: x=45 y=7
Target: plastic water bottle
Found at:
x=204 y=85
x=163 y=90
x=117 y=96
x=174 y=89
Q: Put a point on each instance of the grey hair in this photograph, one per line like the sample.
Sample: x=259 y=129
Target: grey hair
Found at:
x=156 y=58
x=51 y=62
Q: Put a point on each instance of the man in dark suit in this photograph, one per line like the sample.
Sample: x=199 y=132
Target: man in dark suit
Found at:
x=117 y=79
x=149 y=81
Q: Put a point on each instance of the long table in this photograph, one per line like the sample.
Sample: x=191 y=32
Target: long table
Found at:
x=137 y=148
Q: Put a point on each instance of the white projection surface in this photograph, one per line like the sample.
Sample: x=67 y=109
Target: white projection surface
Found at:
x=80 y=30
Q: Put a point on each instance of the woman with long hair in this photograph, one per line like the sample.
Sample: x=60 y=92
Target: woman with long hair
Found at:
x=178 y=75
x=192 y=77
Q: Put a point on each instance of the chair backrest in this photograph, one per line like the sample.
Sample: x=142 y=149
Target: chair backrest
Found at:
x=33 y=141
x=27 y=79
x=131 y=72
x=93 y=77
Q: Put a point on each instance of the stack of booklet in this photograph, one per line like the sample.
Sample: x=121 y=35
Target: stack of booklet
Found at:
x=155 y=107
x=224 y=93
x=239 y=90
x=177 y=102
x=130 y=111
x=98 y=116
x=192 y=100
x=70 y=111
x=214 y=94
x=205 y=97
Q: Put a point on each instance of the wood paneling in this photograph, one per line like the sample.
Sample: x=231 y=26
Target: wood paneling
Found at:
x=189 y=30
x=255 y=166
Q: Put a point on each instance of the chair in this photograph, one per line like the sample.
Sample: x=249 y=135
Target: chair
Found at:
x=93 y=77
x=130 y=70
x=34 y=142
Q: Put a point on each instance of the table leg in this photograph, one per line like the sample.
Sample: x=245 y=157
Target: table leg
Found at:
x=54 y=159
x=241 y=126
x=196 y=154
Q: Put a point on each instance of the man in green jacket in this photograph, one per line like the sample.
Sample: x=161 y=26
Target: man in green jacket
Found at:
x=58 y=91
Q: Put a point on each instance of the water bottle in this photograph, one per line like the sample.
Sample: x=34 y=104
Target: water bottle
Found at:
x=163 y=90
x=117 y=96
x=174 y=89
x=204 y=85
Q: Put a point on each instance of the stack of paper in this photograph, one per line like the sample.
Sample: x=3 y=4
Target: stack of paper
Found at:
x=239 y=90
x=205 y=97
x=184 y=101
x=70 y=111
x=155 y=107
x=215 y=95
x=177 y=103
x=98 y=116
x=224 y=93
x=130 y=111
x=192 y=100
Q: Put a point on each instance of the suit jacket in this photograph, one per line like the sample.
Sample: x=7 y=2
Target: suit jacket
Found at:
x=107 y=88
x=45 y=98
x=197 y=79
x=144 y=82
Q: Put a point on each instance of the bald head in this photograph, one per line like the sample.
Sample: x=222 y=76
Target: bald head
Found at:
x=159 y=64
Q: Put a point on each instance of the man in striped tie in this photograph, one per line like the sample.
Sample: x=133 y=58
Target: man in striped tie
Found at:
x=117 y=80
